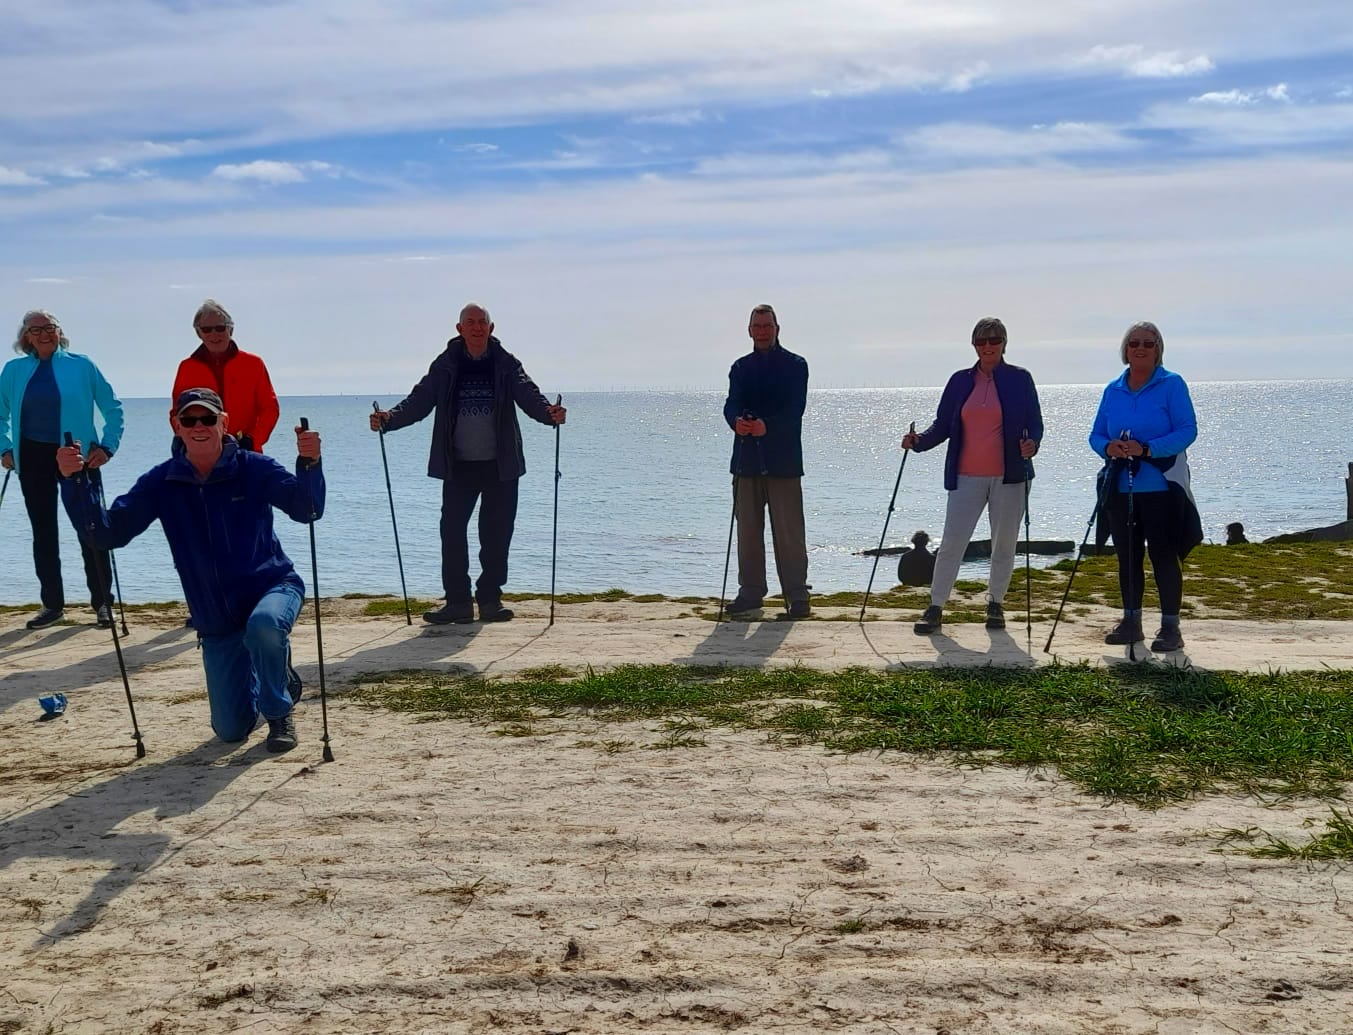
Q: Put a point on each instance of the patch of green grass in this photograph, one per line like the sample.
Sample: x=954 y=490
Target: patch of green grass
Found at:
x=1147 y=735
x=395 y=606
x=1336 y=843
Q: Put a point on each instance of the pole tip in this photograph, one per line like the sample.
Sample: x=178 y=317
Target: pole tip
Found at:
x=140 y=750
x=328 y=753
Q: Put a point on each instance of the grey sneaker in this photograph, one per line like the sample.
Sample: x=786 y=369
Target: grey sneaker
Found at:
x=45 y=617
x=995 y=615
x=929 y=622
x=1129 y=630
x=282 y=734
x=799 y=609
x=1168 y=640
x=103 y=616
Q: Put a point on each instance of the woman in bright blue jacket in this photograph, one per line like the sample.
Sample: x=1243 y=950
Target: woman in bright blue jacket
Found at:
x=1144 y=425
x=44 y=393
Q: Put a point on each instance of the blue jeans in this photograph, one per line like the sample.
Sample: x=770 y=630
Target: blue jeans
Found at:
x=247 y=670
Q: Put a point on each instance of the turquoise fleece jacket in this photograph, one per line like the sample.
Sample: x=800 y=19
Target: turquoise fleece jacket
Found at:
x=1159 y=415
x=82 y=387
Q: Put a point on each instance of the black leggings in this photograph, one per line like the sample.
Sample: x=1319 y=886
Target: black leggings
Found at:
x=39 y=477
x=1150 y=533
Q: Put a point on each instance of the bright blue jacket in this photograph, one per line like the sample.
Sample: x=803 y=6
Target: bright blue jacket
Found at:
x=1158 y=415
x=219 y=530
x=1020 y=413
x=82 y=388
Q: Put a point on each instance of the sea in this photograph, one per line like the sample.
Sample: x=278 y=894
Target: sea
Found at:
x=644 y=493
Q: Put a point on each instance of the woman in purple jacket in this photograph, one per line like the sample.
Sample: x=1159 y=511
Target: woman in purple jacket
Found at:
x=990 y=416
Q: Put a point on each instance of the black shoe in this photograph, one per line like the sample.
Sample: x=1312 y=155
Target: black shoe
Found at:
x=494 y=611
x=1129 y=630
x=995 y=615
x=45 y=617
x=1168 y=640
x=798 y=609
x=282 y=734
x=103 y=616
x=744 y=605
x=451 y=614
x=929 y=622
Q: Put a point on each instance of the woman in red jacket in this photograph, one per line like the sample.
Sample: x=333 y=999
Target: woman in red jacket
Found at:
x=238 y=377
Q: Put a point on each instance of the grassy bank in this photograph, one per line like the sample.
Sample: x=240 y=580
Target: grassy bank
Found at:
x=1142 y=735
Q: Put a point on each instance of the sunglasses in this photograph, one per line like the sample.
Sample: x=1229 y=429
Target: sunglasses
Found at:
x=207 y=420
x=1146 y=343
x=988 y=341
x=213 y=328
x=43 y=328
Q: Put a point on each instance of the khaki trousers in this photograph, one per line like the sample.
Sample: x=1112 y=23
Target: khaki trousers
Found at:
x=784 y=497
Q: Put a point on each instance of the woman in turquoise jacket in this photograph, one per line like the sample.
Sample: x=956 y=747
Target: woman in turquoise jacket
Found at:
x=1144 y=425
x=45 y=393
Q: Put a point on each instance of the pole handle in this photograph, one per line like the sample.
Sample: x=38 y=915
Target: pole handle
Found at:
x=305 y=423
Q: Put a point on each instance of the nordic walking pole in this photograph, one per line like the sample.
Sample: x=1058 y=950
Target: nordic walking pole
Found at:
x=328 y=753
x=408 y=617
x=112 y=560
x=554 y=539
x=117 y=644
x=4 y=487
x=887 y=517
x=1106 y=472
x=728 y=554
x=1131 y=540
x=1028 y=593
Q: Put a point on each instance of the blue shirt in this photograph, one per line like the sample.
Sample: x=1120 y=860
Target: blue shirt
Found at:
x=1159 y=415
x=41 y=413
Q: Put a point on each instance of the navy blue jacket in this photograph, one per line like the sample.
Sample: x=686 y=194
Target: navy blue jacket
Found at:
x=219 y=530
x=437 y=391
x=1019 y=412
x=771 y=385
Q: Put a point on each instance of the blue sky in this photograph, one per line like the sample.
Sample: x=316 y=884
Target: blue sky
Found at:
x=621 y=182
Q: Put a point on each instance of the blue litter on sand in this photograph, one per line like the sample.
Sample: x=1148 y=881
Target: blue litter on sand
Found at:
x=53 y=705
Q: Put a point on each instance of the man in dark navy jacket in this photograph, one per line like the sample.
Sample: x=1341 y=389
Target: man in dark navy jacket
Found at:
x=214 y=502
x=473 y=388
x=767 y=393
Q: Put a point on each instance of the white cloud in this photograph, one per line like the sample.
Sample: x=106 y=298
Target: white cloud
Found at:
x=478 y=148
x=963 y=80
x=47 y=280
x=689 y=117
x=1346 y=92
x=1244 y=121
x=976 y=140
x=17 y=178
x=264 y=171
x=1134 y=60
x=1238 y=98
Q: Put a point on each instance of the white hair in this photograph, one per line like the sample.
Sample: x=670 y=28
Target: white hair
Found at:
x=210 y=305
x=1143 y=325
x=21 y=340
x=473 y=305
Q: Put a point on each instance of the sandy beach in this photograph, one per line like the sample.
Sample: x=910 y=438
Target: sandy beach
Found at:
x=439 y=877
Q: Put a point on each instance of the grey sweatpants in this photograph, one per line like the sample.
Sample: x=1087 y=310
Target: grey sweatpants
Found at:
x=1004 y=505
x=784 y=497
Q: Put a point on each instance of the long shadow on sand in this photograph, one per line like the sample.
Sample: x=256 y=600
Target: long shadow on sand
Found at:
x=34 y=680
x=739 y=643
x=433 y=648
x=81 y=829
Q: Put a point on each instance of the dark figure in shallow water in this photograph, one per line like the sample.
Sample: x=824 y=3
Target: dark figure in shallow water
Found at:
x=1235 y=534
x=916 y=567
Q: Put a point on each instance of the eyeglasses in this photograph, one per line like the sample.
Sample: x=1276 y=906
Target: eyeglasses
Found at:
x=207 y=420
x=43 y=328
x=978 y=343
x=213 y=328
x=1136 y=343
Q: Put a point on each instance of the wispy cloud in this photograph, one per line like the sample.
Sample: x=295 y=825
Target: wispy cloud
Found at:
x=277 y=173
x=975 y=140
x=689 y=117
x=1278 y=92
x=17 y=178
x=476 y=148
x=1134 y=60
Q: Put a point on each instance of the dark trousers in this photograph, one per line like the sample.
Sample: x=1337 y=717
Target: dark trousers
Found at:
x=38 y=478
x=1151 y=533
x=474 y=482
